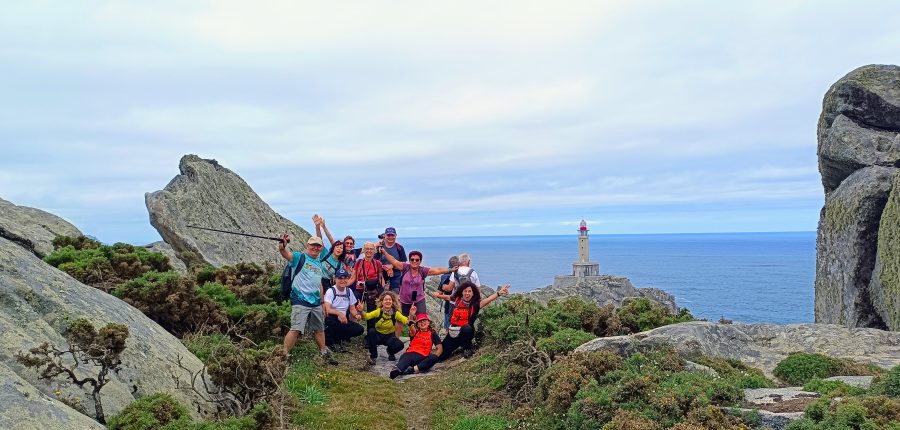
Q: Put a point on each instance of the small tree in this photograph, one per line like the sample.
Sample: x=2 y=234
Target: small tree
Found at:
x=101 y=349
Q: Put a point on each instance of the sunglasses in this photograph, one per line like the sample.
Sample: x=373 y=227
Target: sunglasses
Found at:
x=415 y=259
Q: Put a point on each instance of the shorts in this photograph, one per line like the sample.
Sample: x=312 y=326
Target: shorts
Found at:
x=307 y=319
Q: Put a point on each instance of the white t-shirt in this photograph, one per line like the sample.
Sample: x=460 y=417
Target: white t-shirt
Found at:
x=343 y=301
x=465 y=272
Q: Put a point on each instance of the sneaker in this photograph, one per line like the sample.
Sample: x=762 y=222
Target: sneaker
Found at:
x=395 y=373
x=329 y=358
x=392 y=357
x=467 y=353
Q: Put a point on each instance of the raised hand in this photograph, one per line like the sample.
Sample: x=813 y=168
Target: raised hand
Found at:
x=412 y=311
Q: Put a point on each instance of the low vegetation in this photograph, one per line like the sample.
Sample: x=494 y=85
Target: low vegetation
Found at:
x=103 y=266
x=800 y=368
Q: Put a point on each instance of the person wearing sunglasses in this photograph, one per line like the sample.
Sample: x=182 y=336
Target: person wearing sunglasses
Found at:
x=307 y=313
x=412 y=277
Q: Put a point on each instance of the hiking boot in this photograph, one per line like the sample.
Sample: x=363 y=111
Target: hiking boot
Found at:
x=467 y=353
x=392 y=357
x=329 y=358
x=395 y=373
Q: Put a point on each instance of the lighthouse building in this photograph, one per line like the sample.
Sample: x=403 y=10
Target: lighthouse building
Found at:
x=584 y=266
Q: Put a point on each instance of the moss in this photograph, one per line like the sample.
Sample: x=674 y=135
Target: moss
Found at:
x=889 y=256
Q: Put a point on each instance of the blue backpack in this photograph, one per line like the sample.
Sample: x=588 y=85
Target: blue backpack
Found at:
x=288 y=275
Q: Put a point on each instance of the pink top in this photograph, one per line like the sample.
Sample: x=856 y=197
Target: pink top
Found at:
x=412 y=282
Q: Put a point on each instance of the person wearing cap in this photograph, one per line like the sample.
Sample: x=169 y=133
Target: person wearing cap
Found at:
x=412 y=275
x=419 y=356
x=307 y=313
x=389 y=246
x=339 y=305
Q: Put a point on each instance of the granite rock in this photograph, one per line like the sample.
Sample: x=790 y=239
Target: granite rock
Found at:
x=33 y=228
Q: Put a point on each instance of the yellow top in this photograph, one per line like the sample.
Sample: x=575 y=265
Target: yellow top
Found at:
x=384 y=325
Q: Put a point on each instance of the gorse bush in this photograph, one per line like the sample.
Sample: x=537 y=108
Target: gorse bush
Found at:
x=832 y=388
x=104 y=266
x=563 y=341
x=522 y=317
x=888 y=383
x=798 y=368
x=173 y=302
x=746 y=377
x=163 y=412
x=248 y=281
x=868 y=413
x=259 y=322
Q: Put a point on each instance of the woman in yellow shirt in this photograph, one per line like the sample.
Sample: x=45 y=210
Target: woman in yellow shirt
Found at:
x=386 y=317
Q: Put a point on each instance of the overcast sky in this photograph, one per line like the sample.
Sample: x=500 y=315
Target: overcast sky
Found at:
x=440 y=118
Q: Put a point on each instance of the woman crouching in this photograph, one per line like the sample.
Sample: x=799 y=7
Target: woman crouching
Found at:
x=468 y=302
x=418 y=357
x=381 y=332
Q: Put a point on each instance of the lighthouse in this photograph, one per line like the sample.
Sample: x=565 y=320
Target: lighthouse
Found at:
x=584 y=266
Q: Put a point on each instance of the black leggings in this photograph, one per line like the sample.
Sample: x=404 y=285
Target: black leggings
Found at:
x=374 y=338
x=410 y=359
x=336 y=332
x=464 y=340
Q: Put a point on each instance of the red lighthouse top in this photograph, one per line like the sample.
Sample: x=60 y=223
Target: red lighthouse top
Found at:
x=583 y=226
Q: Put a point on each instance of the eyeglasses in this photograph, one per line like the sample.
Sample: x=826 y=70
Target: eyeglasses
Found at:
x=315 y=245
x=415 y=259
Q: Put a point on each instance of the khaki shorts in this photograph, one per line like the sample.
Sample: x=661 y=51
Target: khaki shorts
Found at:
x=307 y=319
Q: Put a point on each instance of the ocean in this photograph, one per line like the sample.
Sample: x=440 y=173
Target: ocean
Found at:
x=746 y=277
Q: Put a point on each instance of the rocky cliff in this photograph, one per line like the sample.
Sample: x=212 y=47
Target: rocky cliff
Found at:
x=206 y=194
x=858 y=243
x=32 y=228
x=762 y=345
x=602 y=290
x=36 y=303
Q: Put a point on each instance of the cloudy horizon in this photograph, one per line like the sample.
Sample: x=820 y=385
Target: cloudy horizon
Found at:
x=441 y=119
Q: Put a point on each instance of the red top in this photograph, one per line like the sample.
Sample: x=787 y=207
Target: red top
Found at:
x=367 y=270
x=461 y=313
x=422 y=341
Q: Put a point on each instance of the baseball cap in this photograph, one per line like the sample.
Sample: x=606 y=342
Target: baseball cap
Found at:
x=422 y=317
x=315 y=241
x=341 y=273
x=390 y=230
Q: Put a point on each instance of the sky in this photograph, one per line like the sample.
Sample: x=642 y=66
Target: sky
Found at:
x=455 y=118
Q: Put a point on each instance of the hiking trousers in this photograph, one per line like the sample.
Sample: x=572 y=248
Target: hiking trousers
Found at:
x=464 y=340
x=336 y=332
x=374 y=338
x=410 y=359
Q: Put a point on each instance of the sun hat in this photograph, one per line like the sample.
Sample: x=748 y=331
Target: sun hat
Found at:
x=422 y=317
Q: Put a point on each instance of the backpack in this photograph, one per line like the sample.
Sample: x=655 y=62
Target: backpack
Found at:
x=288 y=275
x=393 y=315
x=347 y=293
x=460 y=278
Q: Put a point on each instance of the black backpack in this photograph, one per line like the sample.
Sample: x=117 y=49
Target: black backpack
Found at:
x=460 y=278
x=288 y=275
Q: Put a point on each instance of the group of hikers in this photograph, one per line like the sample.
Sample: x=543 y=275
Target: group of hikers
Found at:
x=334 y=288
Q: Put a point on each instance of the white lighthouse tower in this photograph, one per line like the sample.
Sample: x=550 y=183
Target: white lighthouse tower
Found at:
x=584 y=266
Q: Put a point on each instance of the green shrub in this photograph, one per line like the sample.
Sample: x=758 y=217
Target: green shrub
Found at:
x=259 y=322
x=628 y=420
x=248 y=281
x=870 y=413
x=832 y=388
x=563 y=341
x=642 y=314
x=173 y=302
x=149 y=413
x=737 y=372
x=888 y=383
x=104 y=266
x=798 y=368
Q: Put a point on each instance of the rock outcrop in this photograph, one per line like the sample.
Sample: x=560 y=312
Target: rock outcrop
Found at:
x=36 y=303
x=603 y=290
x=206 y=194
x=858 y=243
x=32 y=228
x=762 y=345
x=174 y=261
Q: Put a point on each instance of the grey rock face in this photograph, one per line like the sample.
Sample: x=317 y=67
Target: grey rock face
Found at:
x=768 y=396
x=206 y=194
x=32 y=228
x=845 y=251
x=854 y=381
x=602 y=290
x=859 y=156
x=26 y=408
x=762 y=345
x=164 y=249
x=36 y=303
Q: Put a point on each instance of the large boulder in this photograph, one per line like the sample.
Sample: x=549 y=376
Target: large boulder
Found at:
x=33 y=228
x=37 y=302
x=859 y=156
x=206 y=194
x=602 y=290
x=762 y=345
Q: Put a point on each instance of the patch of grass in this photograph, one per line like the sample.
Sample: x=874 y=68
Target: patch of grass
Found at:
x=832 y=388
x=483 y=422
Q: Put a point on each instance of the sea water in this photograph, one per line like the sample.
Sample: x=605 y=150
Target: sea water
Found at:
x=746 y=277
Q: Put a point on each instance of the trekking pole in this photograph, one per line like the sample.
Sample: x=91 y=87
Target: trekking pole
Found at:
x=278 y=239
